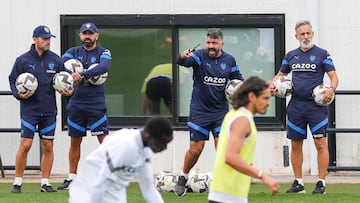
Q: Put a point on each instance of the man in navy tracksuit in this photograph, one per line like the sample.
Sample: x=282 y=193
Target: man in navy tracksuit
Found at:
x=37 y=109
x=308 y=65
x=213 y=68
x=86 y=107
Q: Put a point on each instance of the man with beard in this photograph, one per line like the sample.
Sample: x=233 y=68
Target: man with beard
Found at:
x=308 y=64
x=212 y=69
x=86 y=107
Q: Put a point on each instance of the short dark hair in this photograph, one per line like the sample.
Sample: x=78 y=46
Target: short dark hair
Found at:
x=253 y=84
x=158 y=127
x=215 y=33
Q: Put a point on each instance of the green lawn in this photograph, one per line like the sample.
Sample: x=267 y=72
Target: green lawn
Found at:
x=336 y=193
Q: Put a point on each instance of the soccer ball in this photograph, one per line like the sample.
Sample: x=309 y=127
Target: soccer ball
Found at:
x=26 y=82
x=231 y=87
x=318 y=95
x=63 y=81
x=98 y=79
x=74 y=65
x=200 y=182
x=165 y=182
x=283 y=86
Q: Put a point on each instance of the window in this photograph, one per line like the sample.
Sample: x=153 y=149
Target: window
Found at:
x=140 y=42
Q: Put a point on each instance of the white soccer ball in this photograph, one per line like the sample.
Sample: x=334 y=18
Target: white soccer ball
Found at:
x=74 y=65
x=98 y=79
x=165 y=182
x=231 y=87
x=318 y=95
x=200 y=182
x=63 y=81
x=26 y=82
x=283 y=86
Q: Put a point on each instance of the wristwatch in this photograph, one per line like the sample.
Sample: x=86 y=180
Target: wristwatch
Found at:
x=334 y=88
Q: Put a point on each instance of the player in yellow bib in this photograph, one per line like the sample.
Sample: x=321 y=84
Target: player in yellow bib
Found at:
x=157 y=86
x=236 y=146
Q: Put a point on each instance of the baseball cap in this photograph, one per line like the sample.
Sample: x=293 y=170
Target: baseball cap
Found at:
x=42 y=31
x=88 y=27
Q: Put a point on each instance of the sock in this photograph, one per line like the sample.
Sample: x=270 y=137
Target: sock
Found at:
x=186 y=175
x=45 y=181
x=71 y=176
x=323 y=181
x=18 y=181
x=300 y=181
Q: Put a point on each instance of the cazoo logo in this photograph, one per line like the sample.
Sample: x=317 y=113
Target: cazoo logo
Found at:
x=214 y=81
x=303 y=67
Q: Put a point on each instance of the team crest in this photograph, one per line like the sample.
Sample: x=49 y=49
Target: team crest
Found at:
x=312 y=58
x=51 y=66
x=93 y=59
x=46 y=29
x=223 y=66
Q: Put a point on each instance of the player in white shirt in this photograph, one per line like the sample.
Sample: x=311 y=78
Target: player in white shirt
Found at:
x=108 y=170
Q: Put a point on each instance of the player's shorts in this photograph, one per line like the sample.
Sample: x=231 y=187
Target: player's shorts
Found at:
x=79 y=120
x=44 y=124
x=201 y=124
x=301 y=113
x=159 y=87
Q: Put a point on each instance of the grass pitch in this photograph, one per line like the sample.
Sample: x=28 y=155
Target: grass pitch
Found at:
x=339 y=193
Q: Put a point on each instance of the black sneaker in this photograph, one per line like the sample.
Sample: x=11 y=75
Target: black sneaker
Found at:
x=296 y=188
x=16 y=189
x=65 y=185
x=180 y=188
x=47 y=188
x=319 y=188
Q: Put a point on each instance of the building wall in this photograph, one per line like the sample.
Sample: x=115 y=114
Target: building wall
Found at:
x=336 y=29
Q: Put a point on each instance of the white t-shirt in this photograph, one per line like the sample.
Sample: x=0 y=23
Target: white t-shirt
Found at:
x=108 y=170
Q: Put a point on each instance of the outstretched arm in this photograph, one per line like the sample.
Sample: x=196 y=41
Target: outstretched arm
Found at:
x=182 y=58
x=148 y=190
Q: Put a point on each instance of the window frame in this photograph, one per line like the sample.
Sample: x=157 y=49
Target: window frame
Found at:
x=70 y=23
